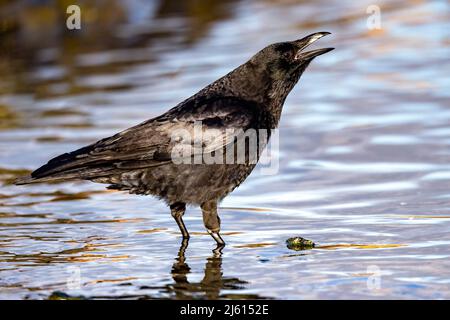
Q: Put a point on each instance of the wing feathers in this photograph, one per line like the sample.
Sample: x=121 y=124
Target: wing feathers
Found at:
x=149 y=144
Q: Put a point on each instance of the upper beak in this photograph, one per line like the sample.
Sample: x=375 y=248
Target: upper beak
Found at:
x=305 y=42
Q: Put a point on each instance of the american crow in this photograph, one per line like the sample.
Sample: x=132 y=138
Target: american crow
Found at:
x=150 y=158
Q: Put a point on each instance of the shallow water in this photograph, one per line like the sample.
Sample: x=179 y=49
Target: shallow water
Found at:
x=364 y=154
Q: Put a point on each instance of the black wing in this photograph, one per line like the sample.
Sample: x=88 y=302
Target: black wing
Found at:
x=150 y=143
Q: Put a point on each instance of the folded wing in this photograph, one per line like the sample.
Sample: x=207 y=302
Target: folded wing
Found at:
x=151 y=143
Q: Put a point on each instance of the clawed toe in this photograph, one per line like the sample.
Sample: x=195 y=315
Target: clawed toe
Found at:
x=216 y=236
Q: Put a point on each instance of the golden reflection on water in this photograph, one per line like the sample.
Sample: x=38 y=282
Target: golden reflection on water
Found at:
x=77 y=255
x=152 y=230
x=360 y=246
x=256 y=245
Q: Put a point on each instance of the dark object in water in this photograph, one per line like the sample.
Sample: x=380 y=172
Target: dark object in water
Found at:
x=140 y=159
x=299 y=243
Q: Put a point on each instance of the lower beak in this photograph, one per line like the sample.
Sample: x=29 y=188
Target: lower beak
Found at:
x=305 y=42
x=309 y=55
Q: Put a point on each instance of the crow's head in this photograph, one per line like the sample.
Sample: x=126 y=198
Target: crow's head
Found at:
x=283 y=63
x=284 y=59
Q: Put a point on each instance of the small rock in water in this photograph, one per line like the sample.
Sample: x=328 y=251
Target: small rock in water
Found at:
x=299 y=243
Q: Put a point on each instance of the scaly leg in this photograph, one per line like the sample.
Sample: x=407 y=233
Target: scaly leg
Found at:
x=177 y=209
x=212 y=221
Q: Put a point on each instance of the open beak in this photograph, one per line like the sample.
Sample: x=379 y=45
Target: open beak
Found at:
x=305 y=42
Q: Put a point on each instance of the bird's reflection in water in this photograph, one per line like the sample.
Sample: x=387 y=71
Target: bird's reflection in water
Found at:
x=212 y=284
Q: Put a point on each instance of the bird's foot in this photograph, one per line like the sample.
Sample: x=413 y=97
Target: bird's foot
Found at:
x=216 y=236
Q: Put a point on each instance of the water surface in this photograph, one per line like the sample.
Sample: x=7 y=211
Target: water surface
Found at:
x=364 y=157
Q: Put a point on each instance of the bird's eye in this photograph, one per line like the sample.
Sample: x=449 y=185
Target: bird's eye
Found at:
x=288 y=55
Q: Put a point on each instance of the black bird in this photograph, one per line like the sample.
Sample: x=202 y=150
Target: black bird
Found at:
x=150 y=158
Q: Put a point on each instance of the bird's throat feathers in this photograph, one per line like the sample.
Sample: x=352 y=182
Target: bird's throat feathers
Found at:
x=258 y=84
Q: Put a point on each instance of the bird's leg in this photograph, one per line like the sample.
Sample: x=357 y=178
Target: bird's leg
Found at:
x=177 y=209
x=212 y=221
